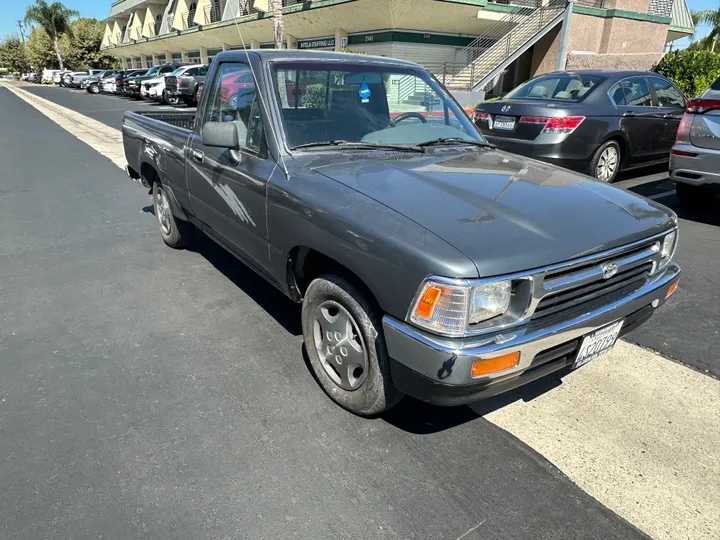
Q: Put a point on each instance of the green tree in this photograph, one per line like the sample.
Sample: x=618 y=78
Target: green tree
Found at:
x=713 y=19
x=692 y=70
x=12 y=54
x=83 y=50
x=39 y=50
x=55 y=19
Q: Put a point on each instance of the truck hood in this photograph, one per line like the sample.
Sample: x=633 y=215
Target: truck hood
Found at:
x=505 y=212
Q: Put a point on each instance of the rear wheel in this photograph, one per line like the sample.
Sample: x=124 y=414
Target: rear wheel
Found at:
x=171 y=100
x=175 y=232
x=693 y=196
x=346 y=347
x=605 y=163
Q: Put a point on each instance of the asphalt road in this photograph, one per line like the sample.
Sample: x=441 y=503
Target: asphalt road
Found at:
x=153 y=393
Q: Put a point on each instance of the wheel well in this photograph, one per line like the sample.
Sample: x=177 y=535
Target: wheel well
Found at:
x=149 y=174
x=305 y=264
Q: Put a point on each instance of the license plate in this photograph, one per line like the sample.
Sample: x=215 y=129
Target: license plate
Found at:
x=597 y=343
x=506 y=123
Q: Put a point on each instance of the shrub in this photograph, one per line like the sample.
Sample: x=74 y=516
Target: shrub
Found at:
x=314 y=96
x=693 y=71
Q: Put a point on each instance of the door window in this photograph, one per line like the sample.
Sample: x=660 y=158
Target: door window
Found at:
x=633 y=92
x=667 y=95
x=233 y=99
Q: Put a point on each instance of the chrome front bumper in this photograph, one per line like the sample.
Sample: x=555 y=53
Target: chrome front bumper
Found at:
x=437 y=369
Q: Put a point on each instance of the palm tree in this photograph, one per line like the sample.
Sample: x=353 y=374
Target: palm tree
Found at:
x=713 y=19
x=278 y=23
x=54 y=19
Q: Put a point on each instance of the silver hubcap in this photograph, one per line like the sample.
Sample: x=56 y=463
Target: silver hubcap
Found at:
x=340 y=345
x=607 y=164
x=162 y=207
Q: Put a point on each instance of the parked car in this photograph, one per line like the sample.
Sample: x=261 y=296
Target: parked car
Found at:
x=58 y=77
x=66 y=79
x=427 y=261
x=594 y=122
x=155 y=88
x=92 y=83
x=132 y=84
x=77 y=78
x=48 y=75
x=185 y=86
x=695 y=157
x=113 y=83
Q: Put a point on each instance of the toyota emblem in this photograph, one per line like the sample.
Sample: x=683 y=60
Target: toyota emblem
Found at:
x=609 y=270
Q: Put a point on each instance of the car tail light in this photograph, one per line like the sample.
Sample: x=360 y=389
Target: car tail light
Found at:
x=683 y=132
x=479 y=115
x=563 y=124
x=683 y=153
x=701 y=106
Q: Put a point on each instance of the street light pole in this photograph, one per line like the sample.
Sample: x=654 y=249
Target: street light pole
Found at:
x=22 y=31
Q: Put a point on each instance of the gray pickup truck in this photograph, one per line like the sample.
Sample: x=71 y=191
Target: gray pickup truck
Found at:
x=427 y=262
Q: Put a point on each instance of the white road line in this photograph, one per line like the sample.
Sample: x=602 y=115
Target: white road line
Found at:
x=638 y=432
x=662 y=195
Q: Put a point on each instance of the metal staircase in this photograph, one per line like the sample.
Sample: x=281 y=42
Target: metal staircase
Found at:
x=488 y=55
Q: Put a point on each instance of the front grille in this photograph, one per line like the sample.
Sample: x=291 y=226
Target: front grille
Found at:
x=585 y=293
x=566 y=290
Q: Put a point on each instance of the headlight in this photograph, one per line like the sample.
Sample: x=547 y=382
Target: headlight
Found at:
x=450 y=308
x=667 y=248
x=489 y=300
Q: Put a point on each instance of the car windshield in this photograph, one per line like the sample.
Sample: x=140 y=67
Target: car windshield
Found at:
x=179 y=70
x=557 y=86
x=153 y=70
x=366 y=105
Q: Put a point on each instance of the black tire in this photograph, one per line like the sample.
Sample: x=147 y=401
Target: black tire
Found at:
x=171 y=100
x=694 y=196
x=376 y=392
x=93 y=89
x=594 y=168
x=176 y=233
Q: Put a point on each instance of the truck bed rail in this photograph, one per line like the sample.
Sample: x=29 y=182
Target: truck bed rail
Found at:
x=185 y=120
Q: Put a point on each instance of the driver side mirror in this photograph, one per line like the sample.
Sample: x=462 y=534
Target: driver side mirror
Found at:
x=221 y=135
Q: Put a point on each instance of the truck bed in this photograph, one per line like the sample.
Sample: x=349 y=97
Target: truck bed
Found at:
x=160 y=135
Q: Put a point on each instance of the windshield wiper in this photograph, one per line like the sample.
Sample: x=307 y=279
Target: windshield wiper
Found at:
x=454 y=140
x=357 y=144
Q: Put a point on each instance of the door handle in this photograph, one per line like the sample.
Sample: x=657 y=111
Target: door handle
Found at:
x=198 y=156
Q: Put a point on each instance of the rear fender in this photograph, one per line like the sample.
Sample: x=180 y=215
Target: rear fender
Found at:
x=622 y=138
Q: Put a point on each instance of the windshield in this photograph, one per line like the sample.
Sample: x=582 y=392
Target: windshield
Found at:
x=153 y=70
x=179 y=70
x=557 y=86
x=321 y=102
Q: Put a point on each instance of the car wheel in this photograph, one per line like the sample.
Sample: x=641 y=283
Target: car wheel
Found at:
x=95 y=89
x=171 y=100
x=605 y=163
x=346 y=347
x=175 y=232
x=693 y=196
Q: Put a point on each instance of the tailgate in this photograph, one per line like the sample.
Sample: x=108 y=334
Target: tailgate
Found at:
x=705 y=130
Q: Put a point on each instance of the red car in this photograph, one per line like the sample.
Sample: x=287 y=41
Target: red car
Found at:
x=230 y=86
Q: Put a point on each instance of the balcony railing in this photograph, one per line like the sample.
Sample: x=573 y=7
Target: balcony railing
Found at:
x=188 y=19
x=213 y=12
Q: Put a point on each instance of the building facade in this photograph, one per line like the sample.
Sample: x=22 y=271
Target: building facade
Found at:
x=470 y=45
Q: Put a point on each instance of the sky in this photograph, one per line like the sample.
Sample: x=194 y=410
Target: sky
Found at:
x=13 y=10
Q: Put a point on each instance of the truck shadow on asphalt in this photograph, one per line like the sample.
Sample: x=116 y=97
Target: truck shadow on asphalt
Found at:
x=420 y=418
x=707 y=215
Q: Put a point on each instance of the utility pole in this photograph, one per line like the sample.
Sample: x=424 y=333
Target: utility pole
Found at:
x=564 y=31
x=22 y=31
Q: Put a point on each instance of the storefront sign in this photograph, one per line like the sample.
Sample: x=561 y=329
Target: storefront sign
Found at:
x=327 y=43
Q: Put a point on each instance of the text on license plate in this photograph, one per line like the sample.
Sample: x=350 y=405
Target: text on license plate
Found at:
x=504 y=122
x=597 y=343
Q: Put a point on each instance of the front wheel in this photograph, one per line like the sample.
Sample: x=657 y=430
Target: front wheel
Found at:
x=346 y=347
x=171 y=100
x=175 y=232
x=605 y=163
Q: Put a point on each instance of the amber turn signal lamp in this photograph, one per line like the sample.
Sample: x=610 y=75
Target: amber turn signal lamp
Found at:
x=671 y=289
x=427 y=302
x=491 y=365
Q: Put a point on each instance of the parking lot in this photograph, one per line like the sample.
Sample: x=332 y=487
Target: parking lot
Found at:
x=153 y=393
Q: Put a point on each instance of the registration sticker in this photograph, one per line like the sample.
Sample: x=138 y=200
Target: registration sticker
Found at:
x=597 y=343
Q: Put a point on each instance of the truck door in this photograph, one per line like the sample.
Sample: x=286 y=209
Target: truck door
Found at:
x=228 y=188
